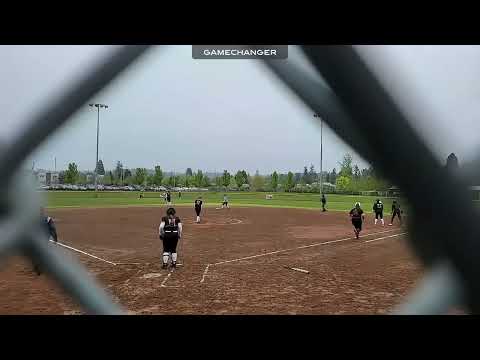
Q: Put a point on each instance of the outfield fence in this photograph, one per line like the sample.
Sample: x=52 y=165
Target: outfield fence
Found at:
x=354 y=104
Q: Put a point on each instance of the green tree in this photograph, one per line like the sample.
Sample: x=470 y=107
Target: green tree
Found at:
x=61 y=177
x=158 y=176
x=140 y=176
x=258 y=182
x=117 y=174
x=240 y=178
x=150 y=180
x=333 y=176
x=205 y=182
x=356 y=172
x=305 y=177
x=198 y=178
x=343 y=183
x=346 y=166
x=189 y=172
x=274 y=181
x=100 y=168
x=108 y=178
x=81 y=179
x=290 y=182
x=226 y=178
x=233 y=184
x=218 y=181
x=71 y=174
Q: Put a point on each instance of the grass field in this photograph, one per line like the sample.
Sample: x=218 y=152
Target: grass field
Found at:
x=61 y=199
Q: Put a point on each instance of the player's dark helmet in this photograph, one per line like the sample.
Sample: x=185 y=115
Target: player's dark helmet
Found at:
x=171 y=211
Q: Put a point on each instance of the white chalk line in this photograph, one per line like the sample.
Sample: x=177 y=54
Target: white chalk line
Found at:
x=385 y=237
x=83 y=252
x=166 y=279
x=297 y=248
x=237 y=222
x=205 y=273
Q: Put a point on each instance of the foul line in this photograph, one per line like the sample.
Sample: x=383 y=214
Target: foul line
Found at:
x=297 y=248
x=205 y=273
x=166 y=279
x=83 y=252
x=385 y=237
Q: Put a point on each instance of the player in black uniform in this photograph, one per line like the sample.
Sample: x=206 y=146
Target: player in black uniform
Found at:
x=396 y=211
x=50 y=232
x=324 y=201
x=357 y=219
x=170 y=231
x=378 y=210
x=169 y=198
x=198 y=208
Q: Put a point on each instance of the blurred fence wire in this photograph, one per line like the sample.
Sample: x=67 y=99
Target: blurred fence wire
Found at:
x=354 y=104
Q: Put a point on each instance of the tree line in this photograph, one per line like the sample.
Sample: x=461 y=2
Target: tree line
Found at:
x=350 y=178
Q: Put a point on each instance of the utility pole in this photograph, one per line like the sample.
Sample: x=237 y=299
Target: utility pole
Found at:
x=98 y=106
x=321 y=155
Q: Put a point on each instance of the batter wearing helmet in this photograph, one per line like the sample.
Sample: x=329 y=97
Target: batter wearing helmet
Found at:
x=198 y=208
x=170 y=231
x=357 y=217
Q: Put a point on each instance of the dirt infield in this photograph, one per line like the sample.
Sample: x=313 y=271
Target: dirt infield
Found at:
x=235 y=262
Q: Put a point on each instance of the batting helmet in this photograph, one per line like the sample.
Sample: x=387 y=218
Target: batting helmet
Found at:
x=171 y=211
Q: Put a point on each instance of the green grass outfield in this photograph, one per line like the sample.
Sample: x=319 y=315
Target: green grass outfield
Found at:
x=66 y=199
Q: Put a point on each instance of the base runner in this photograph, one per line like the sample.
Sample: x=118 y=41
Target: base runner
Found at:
x=357 y=219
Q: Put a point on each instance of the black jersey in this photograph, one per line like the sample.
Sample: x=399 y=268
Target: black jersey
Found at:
x=171 y=224
x=324 y=200
x=168 y=197
x=198 y=204
x=356 y=214
x=378 y=207
x=395 y=207
x=50 y=228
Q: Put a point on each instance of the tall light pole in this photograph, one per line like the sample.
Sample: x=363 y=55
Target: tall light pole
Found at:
x=98 y=106
x=321 y=155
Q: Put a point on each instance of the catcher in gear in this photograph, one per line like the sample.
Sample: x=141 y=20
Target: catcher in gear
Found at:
x=170 y=231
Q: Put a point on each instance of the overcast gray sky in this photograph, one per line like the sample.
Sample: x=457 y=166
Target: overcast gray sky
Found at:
x=178 y=112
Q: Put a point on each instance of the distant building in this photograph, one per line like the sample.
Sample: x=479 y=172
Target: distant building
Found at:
x=47 y=177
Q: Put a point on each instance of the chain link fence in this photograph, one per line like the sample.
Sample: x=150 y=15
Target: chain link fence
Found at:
x=353 y=103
